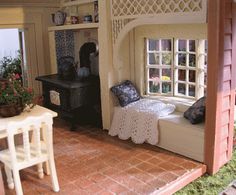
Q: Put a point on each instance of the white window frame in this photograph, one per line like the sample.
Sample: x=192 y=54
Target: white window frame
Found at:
x=200 y=68
x=187 y=68
x=159 y=66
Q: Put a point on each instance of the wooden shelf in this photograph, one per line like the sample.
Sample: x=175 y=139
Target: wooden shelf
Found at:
x=74 y=26
x=76 y=2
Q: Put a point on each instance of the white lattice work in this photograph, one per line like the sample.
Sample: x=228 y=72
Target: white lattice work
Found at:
x=117 y=26
x=134 y=8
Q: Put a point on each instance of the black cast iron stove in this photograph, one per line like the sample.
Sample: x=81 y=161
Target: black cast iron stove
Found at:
x=77 y=99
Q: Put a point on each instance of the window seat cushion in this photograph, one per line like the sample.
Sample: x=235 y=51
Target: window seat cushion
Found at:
x=176 y=134
x=125 y=92
x=196 y=113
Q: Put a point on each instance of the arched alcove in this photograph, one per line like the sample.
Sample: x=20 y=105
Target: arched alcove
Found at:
x=220 y=101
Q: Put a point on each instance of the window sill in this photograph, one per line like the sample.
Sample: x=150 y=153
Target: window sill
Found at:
x=182 y=104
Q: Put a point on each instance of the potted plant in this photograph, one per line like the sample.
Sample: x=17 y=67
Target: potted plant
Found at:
x=10 y=65
x=14 y=97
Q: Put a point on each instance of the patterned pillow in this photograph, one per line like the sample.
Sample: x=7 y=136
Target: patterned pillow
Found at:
x=196 y=113
x=126 y=93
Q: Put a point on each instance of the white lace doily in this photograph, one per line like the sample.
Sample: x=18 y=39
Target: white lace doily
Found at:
x=139 y=120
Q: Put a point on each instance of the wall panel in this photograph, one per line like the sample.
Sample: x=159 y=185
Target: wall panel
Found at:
x=220 y=85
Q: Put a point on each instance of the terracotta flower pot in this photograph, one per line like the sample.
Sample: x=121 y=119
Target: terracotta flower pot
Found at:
x=10 y=110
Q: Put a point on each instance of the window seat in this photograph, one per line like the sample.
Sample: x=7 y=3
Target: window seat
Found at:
x=175 y=133
x=178 y=135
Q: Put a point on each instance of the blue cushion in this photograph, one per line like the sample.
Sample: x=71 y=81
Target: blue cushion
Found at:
x=126 y=93
x=196 y=113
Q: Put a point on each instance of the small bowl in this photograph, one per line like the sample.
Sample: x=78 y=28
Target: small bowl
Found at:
x=88 y=19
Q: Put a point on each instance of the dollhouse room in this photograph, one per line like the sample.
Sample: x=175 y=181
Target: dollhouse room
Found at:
x=115 y=96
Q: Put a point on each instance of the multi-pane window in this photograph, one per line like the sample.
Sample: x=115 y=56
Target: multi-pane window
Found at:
x=159 y=68
x=176 y=67
x=185 y=67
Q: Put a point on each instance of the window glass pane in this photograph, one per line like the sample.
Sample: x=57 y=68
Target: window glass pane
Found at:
x=166 y=59
x=192 y=60
x=182 y=59
x=166 y=45
x=166 y=74
x=166 y=87
x=181 y=88
x=192 y=90
x=153 y=45
x=182 y=75
x=154 y=58
x=192 y=76
x=154 y=87
x=182 y=45
x=153 y=73
x=192 y=46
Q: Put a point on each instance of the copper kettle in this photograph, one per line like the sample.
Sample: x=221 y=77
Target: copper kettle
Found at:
x=59 y=18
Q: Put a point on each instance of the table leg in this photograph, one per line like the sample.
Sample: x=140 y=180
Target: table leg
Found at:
x=45 y=165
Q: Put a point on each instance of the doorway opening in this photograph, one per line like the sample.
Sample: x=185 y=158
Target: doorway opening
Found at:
x=13 y=54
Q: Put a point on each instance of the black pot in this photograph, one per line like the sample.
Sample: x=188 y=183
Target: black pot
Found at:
x=67 y=68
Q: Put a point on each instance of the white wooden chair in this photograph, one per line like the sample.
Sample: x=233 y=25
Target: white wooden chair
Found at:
x=30 y=153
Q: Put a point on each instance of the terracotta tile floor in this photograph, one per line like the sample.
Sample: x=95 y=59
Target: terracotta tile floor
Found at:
x=89 y=161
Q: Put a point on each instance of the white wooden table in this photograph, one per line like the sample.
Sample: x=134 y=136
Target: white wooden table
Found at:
x=36 y=111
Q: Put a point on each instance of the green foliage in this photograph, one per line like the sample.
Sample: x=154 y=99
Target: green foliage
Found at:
x=154 y=88
x=13 y=92
x=212 y=185
x=9 y=65
x=166 y=59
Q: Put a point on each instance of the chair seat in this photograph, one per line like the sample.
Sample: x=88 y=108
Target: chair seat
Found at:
x=34 y=158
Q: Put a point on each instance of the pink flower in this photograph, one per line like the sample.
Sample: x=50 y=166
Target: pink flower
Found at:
x=17 y=76
x=156 y=80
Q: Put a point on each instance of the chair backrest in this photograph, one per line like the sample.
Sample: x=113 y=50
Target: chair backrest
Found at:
x=32 y=124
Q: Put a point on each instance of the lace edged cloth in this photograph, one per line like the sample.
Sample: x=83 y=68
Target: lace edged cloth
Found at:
x=139 y=120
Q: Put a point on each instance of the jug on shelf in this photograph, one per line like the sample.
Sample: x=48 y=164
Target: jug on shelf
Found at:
x=59 y=18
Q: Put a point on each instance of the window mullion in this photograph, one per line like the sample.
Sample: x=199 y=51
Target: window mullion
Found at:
x=187 y=69
x=198 y=71
x=201 y=50
x=147 y=67
x=147 y=79
x=176 y=61
x=173 y=66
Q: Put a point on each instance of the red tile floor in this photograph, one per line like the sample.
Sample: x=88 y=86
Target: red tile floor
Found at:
x=89 y=161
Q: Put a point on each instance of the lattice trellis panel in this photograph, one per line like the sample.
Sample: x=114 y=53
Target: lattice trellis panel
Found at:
x=124 y=11
x=117 y=26
x=134 y=8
